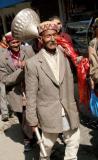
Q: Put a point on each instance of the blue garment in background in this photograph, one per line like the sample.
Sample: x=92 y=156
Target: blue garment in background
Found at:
x=94 y=104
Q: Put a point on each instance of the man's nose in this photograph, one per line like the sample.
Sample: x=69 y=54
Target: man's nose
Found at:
x=52 y=38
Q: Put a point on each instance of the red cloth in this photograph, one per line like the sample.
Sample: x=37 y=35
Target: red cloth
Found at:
x=15 y=58
x=67 y=37
x=9 y=37
x=82 y=69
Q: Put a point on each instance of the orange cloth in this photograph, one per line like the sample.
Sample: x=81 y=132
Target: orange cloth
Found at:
x=2 y=45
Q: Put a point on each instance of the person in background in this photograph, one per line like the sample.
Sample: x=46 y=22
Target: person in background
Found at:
x=93 y=55
x=50 y=94
x=12 y=63
x=3 y=101
x=65 y=35
x=93 y=73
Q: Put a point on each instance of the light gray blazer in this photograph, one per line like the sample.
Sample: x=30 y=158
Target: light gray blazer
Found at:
x=45 y=98
x=13 y=77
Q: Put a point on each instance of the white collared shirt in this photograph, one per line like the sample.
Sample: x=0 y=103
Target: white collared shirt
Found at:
x=53 y=61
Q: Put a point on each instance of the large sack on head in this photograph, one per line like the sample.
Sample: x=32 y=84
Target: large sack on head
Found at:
x=24 y=25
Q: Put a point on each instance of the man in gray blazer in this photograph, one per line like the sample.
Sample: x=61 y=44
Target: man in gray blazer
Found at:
x=3 y=101
x=12 y=63
x=50 y=94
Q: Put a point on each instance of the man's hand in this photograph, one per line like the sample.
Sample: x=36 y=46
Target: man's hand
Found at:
x=21 y=64
x=66 y=52
x=33 y=128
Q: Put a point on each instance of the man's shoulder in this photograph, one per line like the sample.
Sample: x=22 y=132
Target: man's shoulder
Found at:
x=67 y=37
x=28 y=50
x=92 y=42
x=25 y=47
x=34 y=59
x=3 y=50
x=3 y=53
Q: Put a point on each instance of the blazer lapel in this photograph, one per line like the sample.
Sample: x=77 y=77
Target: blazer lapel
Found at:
x=61 y=66
x=46 y=68
x=22 y=54
x=10 y=62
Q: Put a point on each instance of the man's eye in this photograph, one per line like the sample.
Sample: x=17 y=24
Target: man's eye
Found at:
x=47 y=36
x=55 y=35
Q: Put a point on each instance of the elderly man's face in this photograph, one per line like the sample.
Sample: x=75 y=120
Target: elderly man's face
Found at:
x=14 y=45
x=49 y=39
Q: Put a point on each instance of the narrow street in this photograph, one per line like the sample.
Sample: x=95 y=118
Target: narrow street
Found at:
x=11 y=143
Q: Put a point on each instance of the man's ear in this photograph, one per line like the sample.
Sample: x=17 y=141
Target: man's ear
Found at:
x=40 y=39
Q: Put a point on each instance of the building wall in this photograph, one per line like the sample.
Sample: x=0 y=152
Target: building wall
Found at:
x=7 y=15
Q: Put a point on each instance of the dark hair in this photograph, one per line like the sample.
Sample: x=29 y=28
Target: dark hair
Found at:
x=96 y=87
x=1 y=37
x=54 y=17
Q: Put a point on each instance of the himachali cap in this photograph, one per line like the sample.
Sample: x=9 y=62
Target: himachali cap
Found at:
x=47 y=25
x=9 y=37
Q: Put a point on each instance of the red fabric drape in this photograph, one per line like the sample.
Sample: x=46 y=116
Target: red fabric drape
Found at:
x=82 y=68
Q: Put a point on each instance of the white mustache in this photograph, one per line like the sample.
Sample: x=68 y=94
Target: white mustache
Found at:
x=52 y=42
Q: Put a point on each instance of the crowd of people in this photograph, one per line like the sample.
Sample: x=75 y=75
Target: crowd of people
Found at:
x=39 y=89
